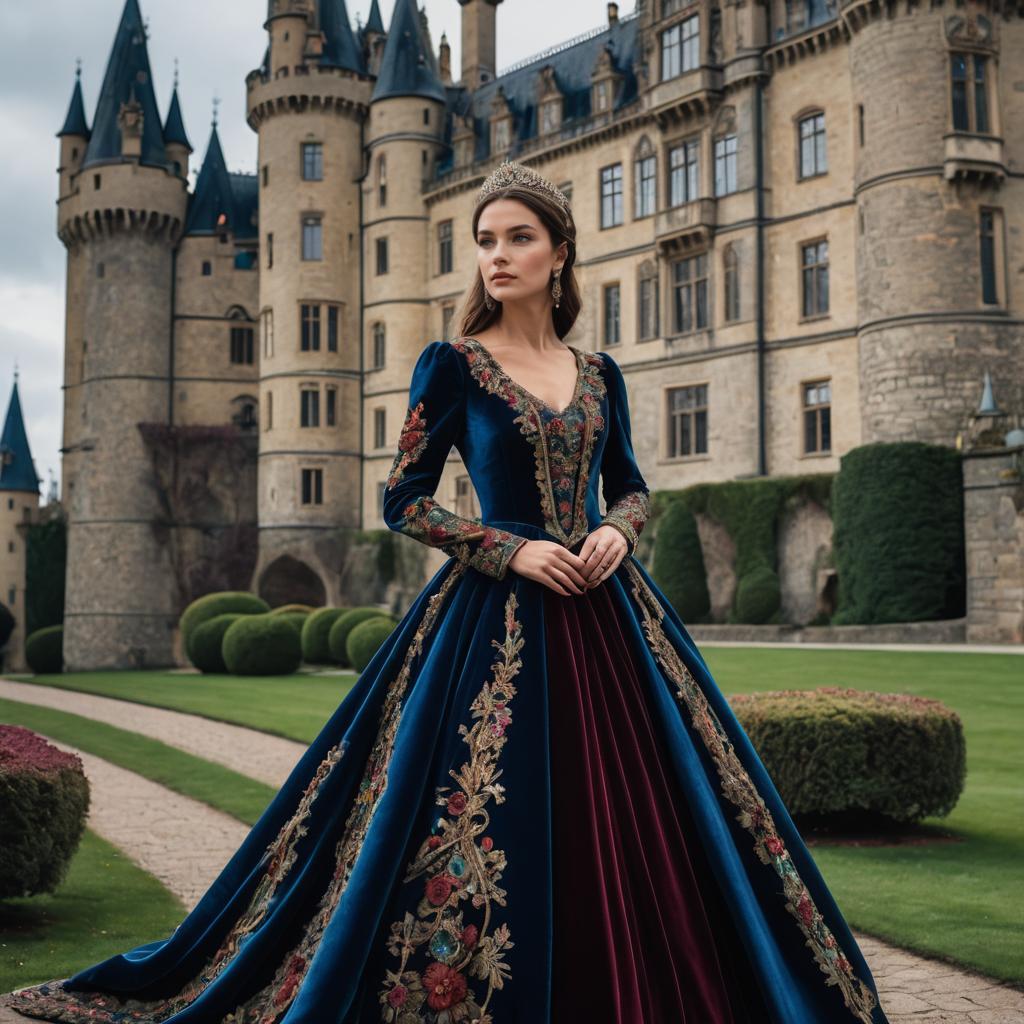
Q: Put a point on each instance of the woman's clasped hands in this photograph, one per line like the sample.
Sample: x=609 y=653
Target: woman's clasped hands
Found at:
x=558 y=568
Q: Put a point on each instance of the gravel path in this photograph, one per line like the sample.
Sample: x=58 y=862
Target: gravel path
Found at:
x=256 y=754
x=185 y=844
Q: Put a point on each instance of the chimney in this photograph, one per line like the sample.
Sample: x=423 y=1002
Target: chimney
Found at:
x=478 y=41
x=444 y=61
x=613 y=14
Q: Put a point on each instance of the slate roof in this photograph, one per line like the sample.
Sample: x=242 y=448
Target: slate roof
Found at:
x=573 y=62
x=17 y=472
x=174 y=126
x=127 y=76
x=340 y=47
x=219 y=191
x=75 y=123
x=408 y=66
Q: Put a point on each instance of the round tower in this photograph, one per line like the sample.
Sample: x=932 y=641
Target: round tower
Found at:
x=930 y=187
x=307 y=104
x=404 y=141
x=120 y=218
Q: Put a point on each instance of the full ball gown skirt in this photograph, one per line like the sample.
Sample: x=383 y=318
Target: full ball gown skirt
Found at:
x=531 y=808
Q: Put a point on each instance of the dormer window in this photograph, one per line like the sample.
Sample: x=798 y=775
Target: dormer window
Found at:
x=600 y=97
x=500 y=133
x=551 y=118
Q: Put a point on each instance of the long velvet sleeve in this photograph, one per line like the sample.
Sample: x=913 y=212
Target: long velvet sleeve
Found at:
x=433 y=424
x=626 y=495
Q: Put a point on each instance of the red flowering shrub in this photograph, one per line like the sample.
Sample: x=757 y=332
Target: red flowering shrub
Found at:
x=841 y=752
x=44 y=796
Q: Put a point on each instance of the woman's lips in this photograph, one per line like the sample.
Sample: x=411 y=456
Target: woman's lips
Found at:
x=502 y=279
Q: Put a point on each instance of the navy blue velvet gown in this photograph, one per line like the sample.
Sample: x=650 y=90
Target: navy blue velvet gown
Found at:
x=531 y=808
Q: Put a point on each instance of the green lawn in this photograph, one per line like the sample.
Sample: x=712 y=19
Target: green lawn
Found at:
x=963 y=901
x=106 y=905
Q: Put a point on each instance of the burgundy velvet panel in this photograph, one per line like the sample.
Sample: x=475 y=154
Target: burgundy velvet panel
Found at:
x=640 y=933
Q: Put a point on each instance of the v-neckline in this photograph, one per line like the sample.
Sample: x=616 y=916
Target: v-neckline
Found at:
x=529 y=394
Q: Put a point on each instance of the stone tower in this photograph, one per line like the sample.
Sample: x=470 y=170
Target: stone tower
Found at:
x=307 y=104
x=479 y=46
x=404 y=143
x=19 y=504
x=929 y=176
x=120 y=213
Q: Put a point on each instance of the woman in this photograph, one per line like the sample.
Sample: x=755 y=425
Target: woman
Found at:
x=535 y=805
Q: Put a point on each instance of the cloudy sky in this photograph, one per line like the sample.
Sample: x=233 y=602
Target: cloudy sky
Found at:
x=216 y=45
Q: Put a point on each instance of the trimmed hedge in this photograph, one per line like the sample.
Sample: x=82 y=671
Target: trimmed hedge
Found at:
x=44 y=797
x=899 y=533
x=44 y=650
x=758 y=595
x=365 y=639
x=296 y=620
x=678 y=564
x=285 y=609
x=208 y=640
x=841 y=752
x=316 y=633
x=343 y=625
x=204 y=608
x=261 y=645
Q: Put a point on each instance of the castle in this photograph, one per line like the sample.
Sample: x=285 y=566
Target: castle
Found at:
x=798 y=230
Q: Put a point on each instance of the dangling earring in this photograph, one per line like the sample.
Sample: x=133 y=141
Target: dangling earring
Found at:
x=488 y=301
x=556 y=287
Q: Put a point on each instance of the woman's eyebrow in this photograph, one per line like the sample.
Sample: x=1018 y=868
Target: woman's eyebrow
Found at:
x=487 y=231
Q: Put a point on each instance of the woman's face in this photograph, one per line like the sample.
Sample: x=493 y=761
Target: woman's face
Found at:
x=510 y=239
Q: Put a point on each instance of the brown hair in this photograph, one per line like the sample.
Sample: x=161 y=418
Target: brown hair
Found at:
x=475 y=316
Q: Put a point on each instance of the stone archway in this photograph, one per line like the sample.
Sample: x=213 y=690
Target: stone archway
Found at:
x=288 y=581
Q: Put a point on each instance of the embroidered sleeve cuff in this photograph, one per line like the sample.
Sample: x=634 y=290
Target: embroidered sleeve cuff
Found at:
x=625 y=529
x=628 y=515
x=495 y=551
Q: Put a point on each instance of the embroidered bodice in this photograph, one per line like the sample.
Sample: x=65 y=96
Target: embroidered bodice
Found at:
x=509 y=439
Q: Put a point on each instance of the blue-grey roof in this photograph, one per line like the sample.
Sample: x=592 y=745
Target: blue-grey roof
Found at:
x=408 y=66
x=17 y=472
x=127 y=77
x=374 y=22
x=340 y=47
x=174 y=126
x=572 y=68
x=219 y=191
x=75 y=123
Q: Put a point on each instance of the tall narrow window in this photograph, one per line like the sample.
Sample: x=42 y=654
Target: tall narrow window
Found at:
x=382 y=255
x=648 y=313
x=382 y=180
x=310 y=328
x=332 y=328
x=242 y=345
x=270 y=249
x=378 y=345
x=331 y=406
x=268 y=332
x=980 y=94
x=611 y=196
x=312 y=161
x=725 y=165
x=207 y=268
x=309 y=412
x=989 y=289
x=380 y=431
x=444 y=247
x=815 y=278
x=312 y=486
x=817 y=416
x=687 y=420
x=269 y=418
x=612 y=315
x=731 y=278
x=680 y=48
x=967 y=77
x=690 y=293
x=684 y=172
x=645 y=175
x=312 y=238
x=812 y=146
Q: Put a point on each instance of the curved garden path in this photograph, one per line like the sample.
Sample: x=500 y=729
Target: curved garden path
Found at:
x=185 y=843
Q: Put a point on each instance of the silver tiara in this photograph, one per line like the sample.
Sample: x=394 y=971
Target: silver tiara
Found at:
x=509 y=172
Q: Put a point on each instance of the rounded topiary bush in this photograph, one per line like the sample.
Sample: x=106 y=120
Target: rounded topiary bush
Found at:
x=296 y=620
x=218 y=603
x=316 y=633
x=208 y=640
x=365 y=638
x=343 y=625
x=44 y=796
x=261 y=645
x=835 y=752
x=44 y=650
x=678 y=566
x=758 y=595
x=284 y=609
